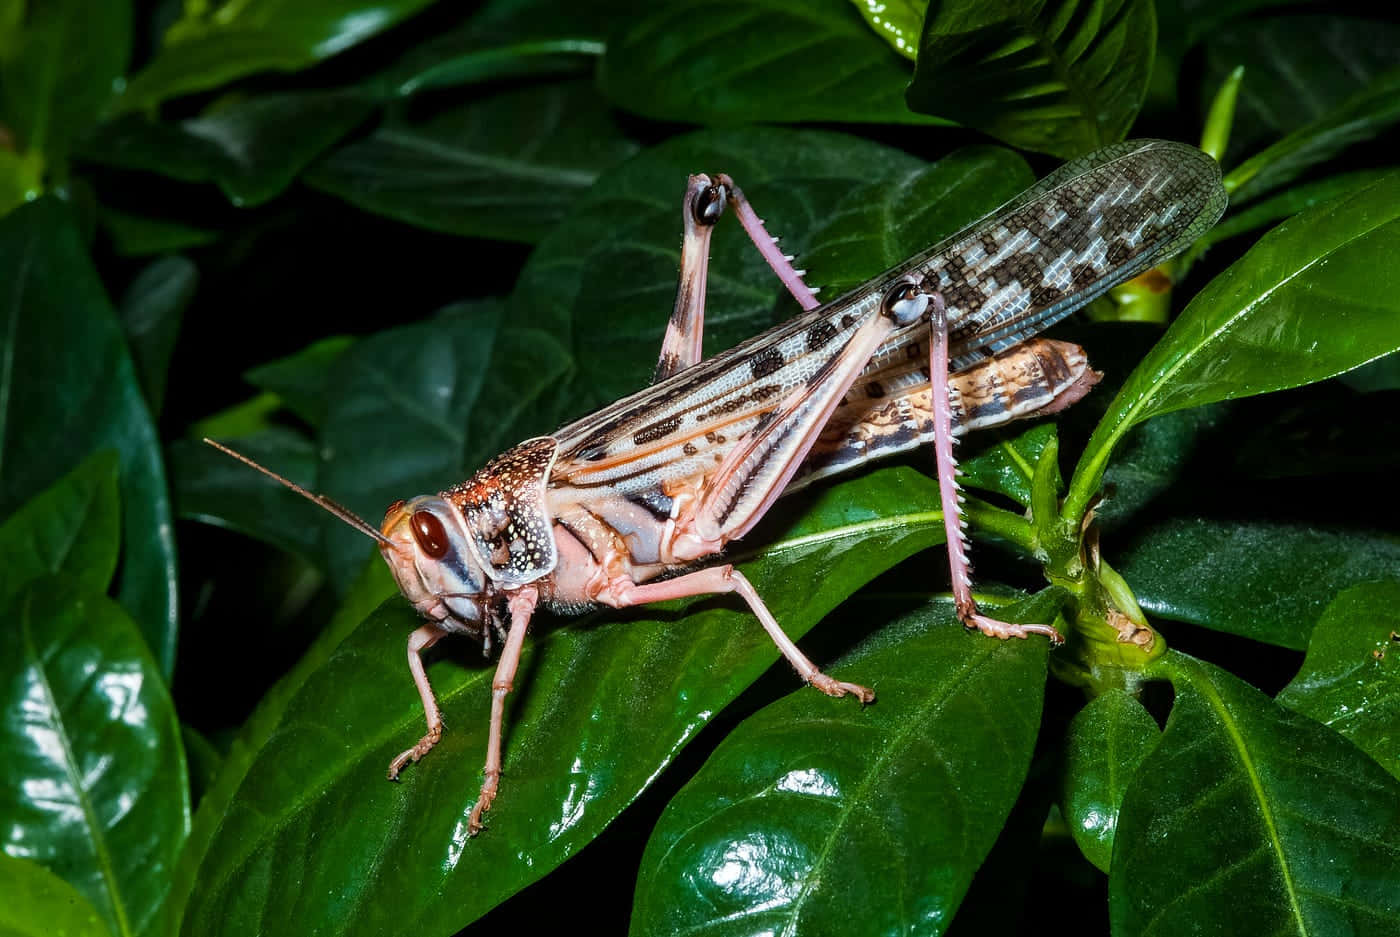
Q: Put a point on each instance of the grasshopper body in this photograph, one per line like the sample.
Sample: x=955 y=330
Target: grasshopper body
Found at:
x=619 y=507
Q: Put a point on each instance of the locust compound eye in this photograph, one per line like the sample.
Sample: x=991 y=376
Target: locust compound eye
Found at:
x=905 y=303
x=428 y=531
x=710 y=205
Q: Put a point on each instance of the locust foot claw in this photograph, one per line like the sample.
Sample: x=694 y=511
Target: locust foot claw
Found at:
x=832 y=687
x=1004 y=629
x=483 y=803
x=425 y=745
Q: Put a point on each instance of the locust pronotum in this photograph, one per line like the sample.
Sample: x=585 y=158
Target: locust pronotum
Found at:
x=617 y=508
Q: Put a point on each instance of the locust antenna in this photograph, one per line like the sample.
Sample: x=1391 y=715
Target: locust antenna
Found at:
x=338 y=510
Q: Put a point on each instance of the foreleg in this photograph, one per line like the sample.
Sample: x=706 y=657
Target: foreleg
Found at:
x=949 y=492
x=522 y=606
x=418 y=642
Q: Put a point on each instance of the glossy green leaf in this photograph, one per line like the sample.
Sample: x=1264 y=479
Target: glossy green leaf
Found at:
x=1262 y=325
x=304 y=381
x=68 y=388
x=1262 y=580
x=503 y=166
x=95 y=787
x=1057 y=76
x=1350 y=680
x=204 y=761
x=72 y=527
x=211 y=45
x=725 y=61
x=808 y=812
x=151 y=310
x=1104 y=745
x=897 y=22
x=1008 y=466
x=370 y=590
x=1360 y=117
x=59 y=71
x=212 y=488
x=36 y=903
x=240 y=143
x=140 y=236
x=599 y=709
x=1297 y=70
x=1286 y=204
x=512 y=38
x=1250 y=819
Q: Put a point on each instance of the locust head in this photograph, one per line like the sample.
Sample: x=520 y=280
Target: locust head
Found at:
x=426 y=544
x=428 y=549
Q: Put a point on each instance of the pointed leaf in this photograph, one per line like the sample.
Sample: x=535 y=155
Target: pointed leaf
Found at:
x=1365 y=114
x=1297 y=69
x=1257 y=579
x=212 y=45
x=1057 y=76
x=806 y=813
x=240 y=143
x=95 y=786
x=1350 y=680
x=726 y=61
x=304 y=381
x=72 y=527
x=68 y=388
x=503 y=166
x=36 y=903
x=1250 y=819
x=598 y=710
x=58 y=71
x=1260 y=326
x=140 y=236
x=897 y=22
x=1106 y=742
x=151 y=310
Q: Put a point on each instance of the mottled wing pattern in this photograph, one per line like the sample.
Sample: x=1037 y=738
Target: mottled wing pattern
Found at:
x=1086 y=227
x=1079 y=231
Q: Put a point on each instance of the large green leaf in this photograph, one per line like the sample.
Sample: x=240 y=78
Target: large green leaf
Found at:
x=1360 y=117
x=305 y=380
x=68 y=388
x=724 y=61
x=59 y=69
x=1266 y=581
x=240 y=143
x=1058 y=76
x=1104 y=745
x=1297 y=69
x=598 y=710
x=151 y=310
x=36 y=903
x=504 y=166
x=1350 y=680
x=1285 y=204
x=1313 y=298
x=1249 y=819
x=94 y=776
x=213 y=44
x=815 y=819
x=73 y=527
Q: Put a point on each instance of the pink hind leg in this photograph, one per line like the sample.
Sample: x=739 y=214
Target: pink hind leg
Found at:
x=949 y=492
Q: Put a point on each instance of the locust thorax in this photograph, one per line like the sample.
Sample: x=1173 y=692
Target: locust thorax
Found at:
x=434 y=561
